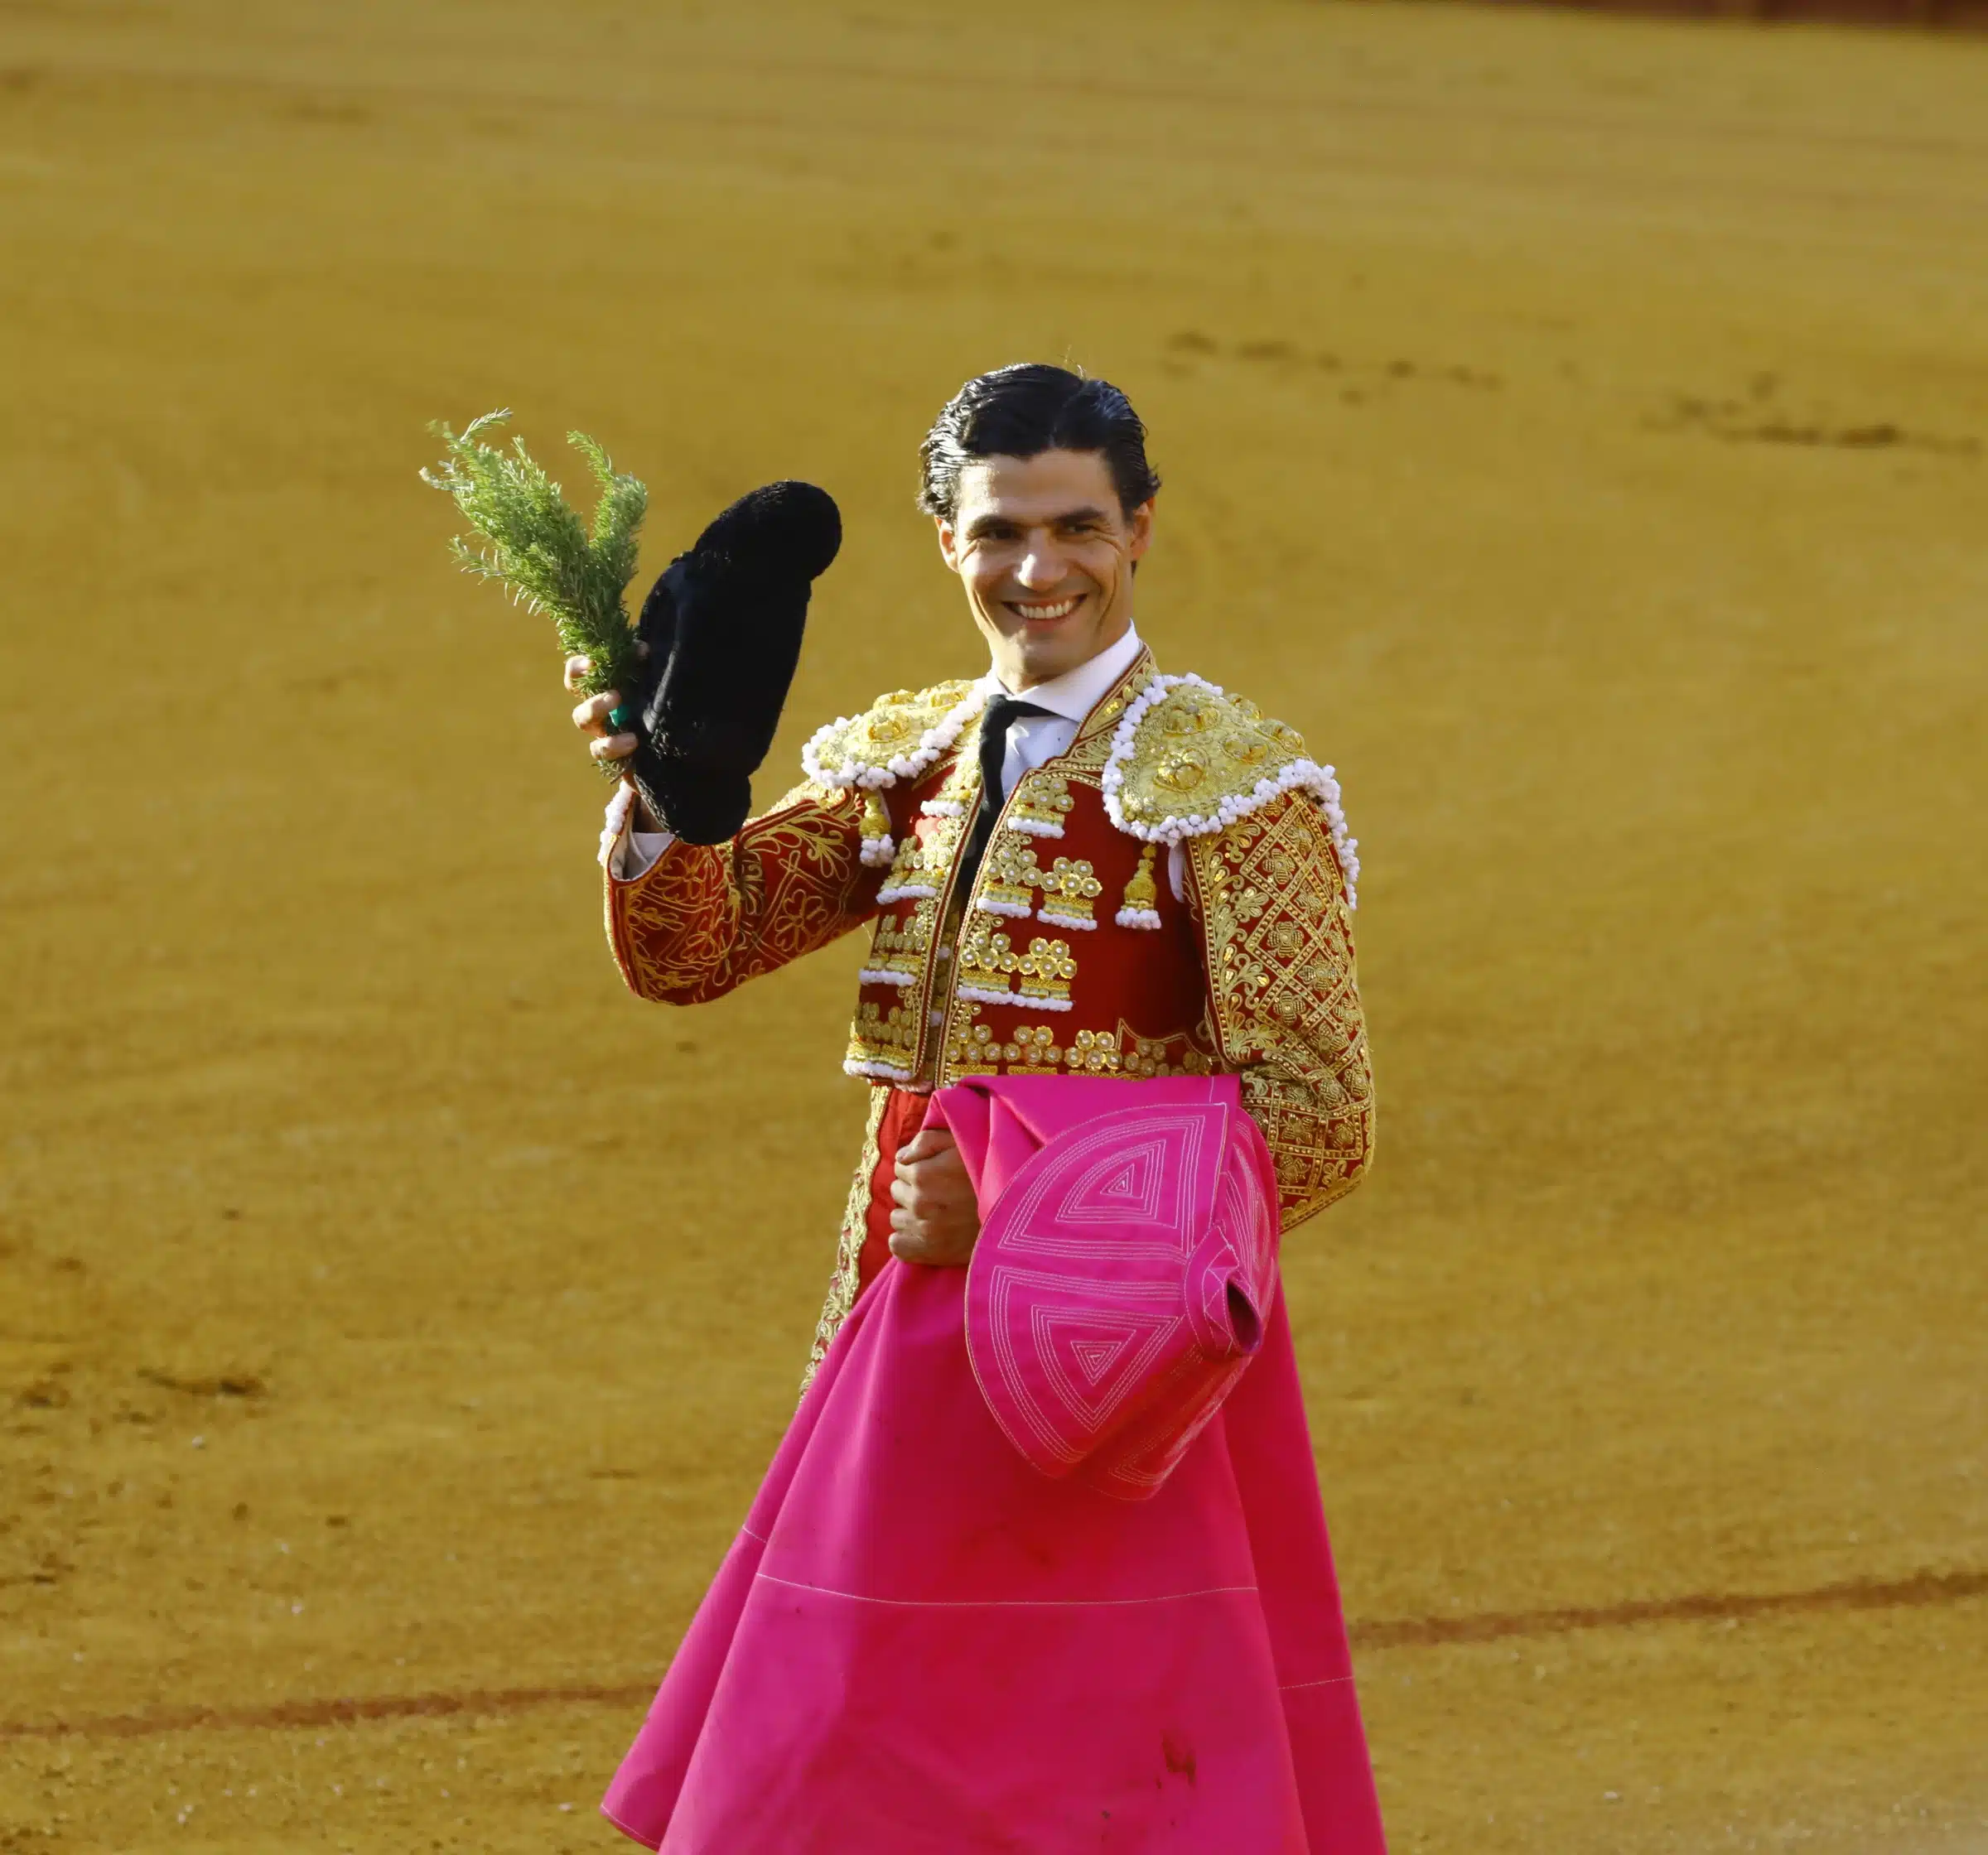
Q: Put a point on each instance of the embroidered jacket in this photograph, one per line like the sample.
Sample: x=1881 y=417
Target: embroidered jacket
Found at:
x=1070 y=955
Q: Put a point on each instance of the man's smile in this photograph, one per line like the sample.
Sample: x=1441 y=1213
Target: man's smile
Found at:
x=1044 y=612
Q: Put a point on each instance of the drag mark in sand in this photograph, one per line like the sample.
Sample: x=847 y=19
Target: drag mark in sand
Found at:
x=1759 y=419
x=346 y=1711
x=1922 y=1589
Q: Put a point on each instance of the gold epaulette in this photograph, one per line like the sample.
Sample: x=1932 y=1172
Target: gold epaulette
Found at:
x=897 y=737
x=1187 y=759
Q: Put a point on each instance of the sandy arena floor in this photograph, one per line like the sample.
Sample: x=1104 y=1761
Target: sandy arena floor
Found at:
x=1577 y=427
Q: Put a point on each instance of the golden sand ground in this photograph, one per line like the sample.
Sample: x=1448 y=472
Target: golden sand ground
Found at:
x=1578 y=428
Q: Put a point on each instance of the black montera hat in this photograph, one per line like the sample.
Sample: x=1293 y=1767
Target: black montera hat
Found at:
x=723 y=626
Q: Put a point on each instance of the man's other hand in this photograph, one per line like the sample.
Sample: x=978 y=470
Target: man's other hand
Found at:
x=936 y=1221
x=590 y=717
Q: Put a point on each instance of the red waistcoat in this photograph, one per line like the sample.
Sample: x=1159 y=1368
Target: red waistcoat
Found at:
x=1070 y=956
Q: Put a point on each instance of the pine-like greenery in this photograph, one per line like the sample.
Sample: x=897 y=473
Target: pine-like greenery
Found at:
x=537 y=547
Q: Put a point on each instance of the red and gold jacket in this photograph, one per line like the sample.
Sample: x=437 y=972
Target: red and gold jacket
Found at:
x=1071 y=954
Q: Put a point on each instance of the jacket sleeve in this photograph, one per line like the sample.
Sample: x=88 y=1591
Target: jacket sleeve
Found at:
x=1283 y=998
x=703 y=918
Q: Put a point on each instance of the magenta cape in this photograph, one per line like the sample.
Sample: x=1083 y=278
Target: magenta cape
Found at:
x=919 y=1644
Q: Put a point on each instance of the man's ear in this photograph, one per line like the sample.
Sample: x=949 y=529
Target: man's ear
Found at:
x=948 y=541
x=1139 y=530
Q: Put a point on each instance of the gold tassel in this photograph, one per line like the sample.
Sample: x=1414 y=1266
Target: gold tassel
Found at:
x=878 y=850
x=1141 y=893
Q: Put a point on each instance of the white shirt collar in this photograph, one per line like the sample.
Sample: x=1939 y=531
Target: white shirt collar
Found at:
x=1076 y=692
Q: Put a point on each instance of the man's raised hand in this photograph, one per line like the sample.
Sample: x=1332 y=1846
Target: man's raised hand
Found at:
x=590 y=717
x=936 y=1221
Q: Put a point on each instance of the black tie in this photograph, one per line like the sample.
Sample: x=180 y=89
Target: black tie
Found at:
x=994 y=722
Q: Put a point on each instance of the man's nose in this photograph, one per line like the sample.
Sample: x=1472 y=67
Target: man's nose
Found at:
x=1042 y=564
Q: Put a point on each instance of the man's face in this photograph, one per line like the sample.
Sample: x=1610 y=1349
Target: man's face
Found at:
x=1045 y=554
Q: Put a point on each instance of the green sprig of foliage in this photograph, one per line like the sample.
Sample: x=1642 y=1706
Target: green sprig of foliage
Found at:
x=536 y=545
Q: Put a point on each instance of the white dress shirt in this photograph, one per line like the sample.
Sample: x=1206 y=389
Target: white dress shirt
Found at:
x=1032 y=739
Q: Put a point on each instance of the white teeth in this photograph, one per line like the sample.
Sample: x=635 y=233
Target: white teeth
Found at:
x=1061 y=608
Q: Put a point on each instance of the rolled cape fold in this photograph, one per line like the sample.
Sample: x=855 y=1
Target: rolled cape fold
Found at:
x=1125 y=1265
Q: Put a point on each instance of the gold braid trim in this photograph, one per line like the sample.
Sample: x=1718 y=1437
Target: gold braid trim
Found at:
x=704 y=919
x=899 y=736
x=849 y=1246
x=1284 y=998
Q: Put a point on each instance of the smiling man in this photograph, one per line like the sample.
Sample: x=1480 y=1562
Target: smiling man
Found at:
x=1073 y=865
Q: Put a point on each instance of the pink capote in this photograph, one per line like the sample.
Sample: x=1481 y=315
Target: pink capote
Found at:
x=919 y=1645
x=1124 y=1266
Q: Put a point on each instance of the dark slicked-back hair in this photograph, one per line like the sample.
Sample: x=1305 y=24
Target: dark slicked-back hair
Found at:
x=1023 y=411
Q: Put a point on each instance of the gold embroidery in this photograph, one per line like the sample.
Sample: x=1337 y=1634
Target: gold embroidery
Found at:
x=1159 y=1056
x=1035 y=1051
x=884 y=731
x=916 y=940
x=890 y=1046
x=968 y=1044
x=887 y=724
x=958 y=792
x=706 y=917
x=907 y=870
x=1278 y=938
x=1038 y=804
x=986 y=964
x=1093 y=1051
x=1070 y=890
x=1094 y=736
x=923 y=859
x=1046 y=971
x=973 y=1049
x=794 y=795
x=1194 y=714
x=1009 y=878
x=1197 y=749
x=883 y=1041
x=849 y=1245
x=899 y=946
